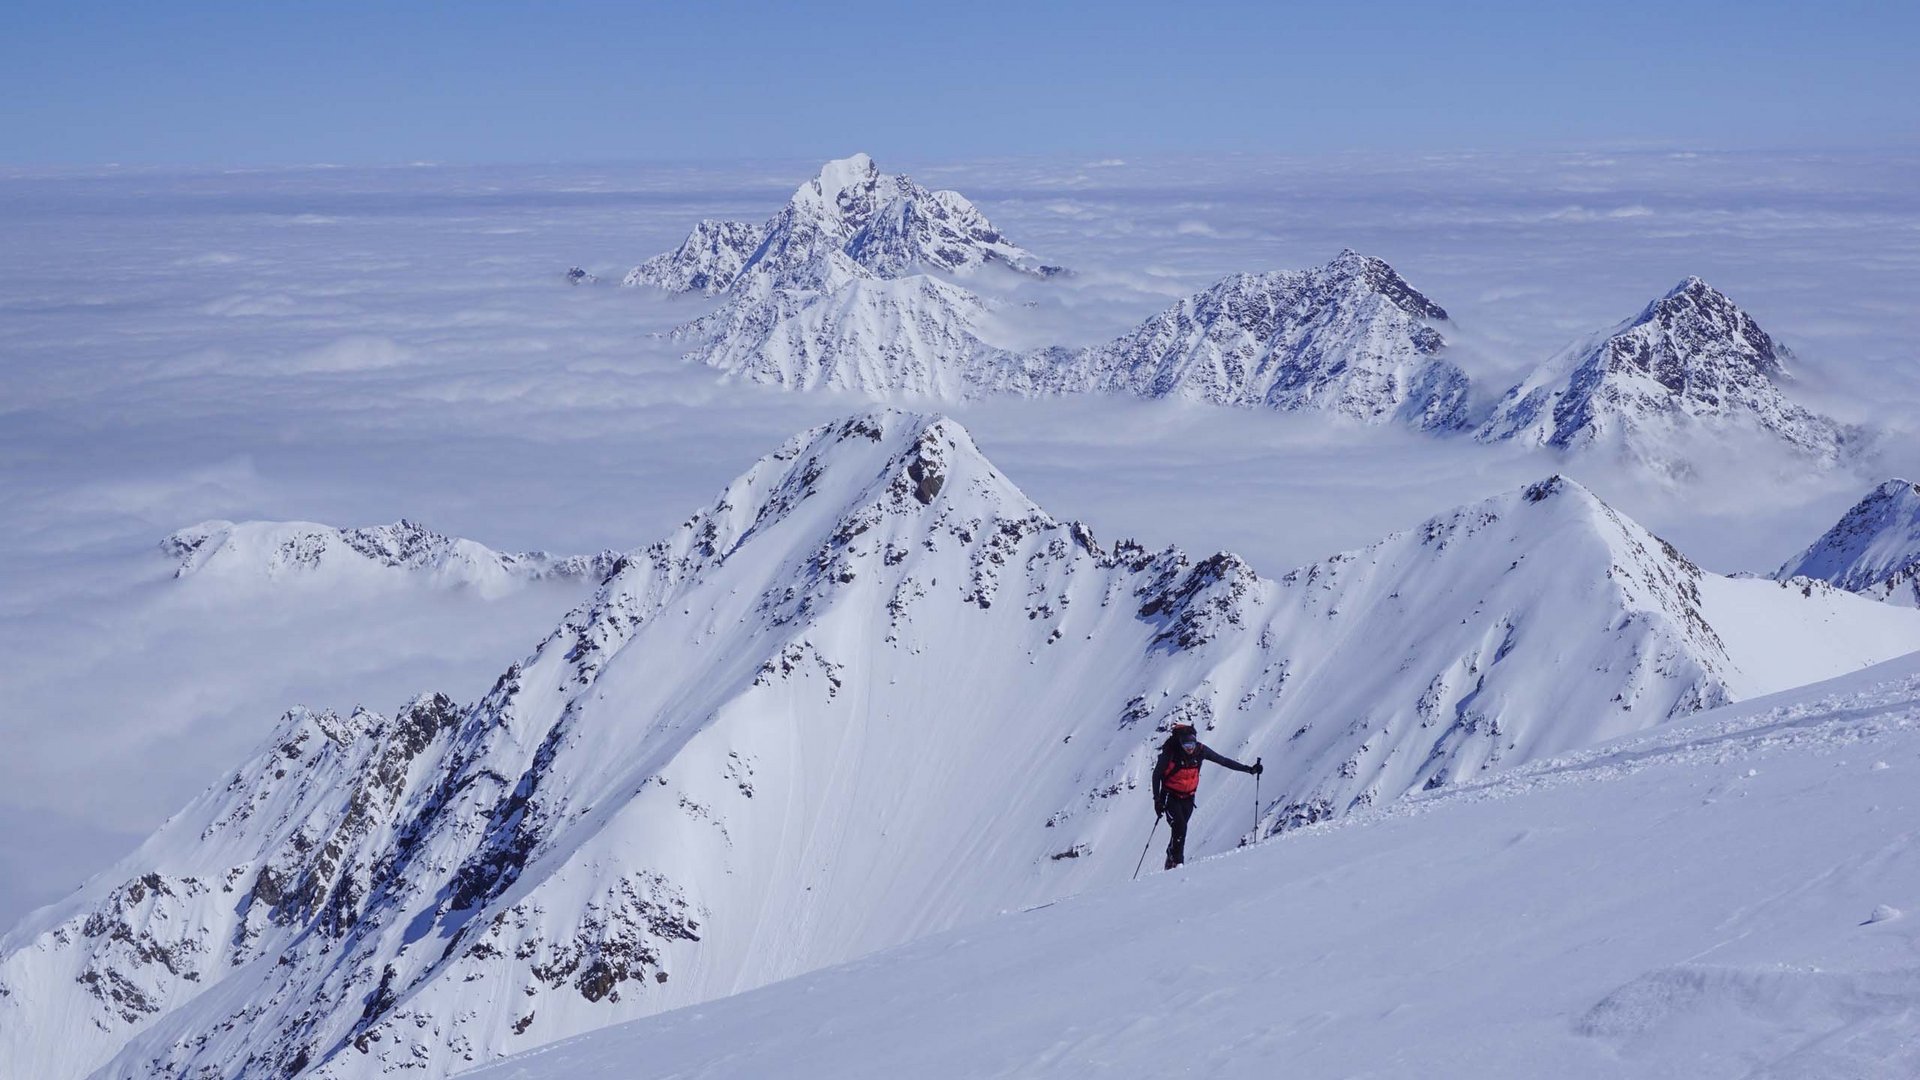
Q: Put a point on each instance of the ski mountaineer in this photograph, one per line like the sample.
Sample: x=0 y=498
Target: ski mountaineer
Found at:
x=1176 y=776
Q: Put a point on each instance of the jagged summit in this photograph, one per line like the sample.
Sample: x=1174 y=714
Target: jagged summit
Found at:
x=1351 y=337
x=1873 y=550
x=1690 y=360
x=851 y=220
x=781 y=737
x=1381 y=278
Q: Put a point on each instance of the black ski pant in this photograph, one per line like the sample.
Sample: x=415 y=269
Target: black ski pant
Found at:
x=1179 y=812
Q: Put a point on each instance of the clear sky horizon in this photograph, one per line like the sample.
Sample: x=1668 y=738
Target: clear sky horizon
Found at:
x=352 y=82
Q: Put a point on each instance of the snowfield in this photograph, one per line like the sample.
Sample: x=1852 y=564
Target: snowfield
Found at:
x=1729 y=897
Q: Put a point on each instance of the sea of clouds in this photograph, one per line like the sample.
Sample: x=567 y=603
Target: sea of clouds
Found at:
x=351 y=346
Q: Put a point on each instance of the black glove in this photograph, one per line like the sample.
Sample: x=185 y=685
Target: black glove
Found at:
x=1257 y=768
x=1160 y=807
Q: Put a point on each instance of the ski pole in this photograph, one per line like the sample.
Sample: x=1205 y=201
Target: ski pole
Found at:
x=1256 y=802
x=1143 y=851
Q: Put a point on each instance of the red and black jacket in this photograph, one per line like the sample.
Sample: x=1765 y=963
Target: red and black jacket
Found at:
x=1177 y=773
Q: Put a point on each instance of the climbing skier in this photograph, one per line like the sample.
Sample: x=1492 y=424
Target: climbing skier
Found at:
x=1176 y=776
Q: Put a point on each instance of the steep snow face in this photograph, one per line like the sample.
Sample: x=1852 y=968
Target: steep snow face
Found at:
x=1874 y=550
x=706 y=262
x=303 y=551
x=1690 y=361
x=869 y=693
x=916 y=336
x=886 y=225
x=1716 y=900
x=1351 y=338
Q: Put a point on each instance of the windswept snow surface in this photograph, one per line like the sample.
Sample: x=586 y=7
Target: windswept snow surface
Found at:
x=1719 y=899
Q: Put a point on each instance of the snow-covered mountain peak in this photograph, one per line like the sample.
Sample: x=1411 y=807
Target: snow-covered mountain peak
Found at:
x=844 y=193
x=881 y=462
x=1351 y=337
x=849 y=221
x=1873 y=550
x=1376 y=275
x=1690 y=362
x=1697 y=323
x=1897 y=488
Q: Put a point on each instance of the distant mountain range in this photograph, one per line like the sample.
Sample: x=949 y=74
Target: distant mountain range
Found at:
x=860 y=284
x=331 y=557
x=869 y=692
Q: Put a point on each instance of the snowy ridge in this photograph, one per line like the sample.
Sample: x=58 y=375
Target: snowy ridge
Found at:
x=1690 y=361
x=1351 y=338
x=781 y=738
x=293 y=550
x=707 y=261
x=1381 y=946
x=1873 y=550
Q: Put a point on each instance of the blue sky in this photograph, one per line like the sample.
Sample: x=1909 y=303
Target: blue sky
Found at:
x=351 y=82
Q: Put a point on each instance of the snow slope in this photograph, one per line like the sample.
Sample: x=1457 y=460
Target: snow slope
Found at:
x=1730 y=897
x=290 y=550
x=1351 y=338
x=1873 y=550
x=871 y=692
x=1690 y=364
x=916 y=336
